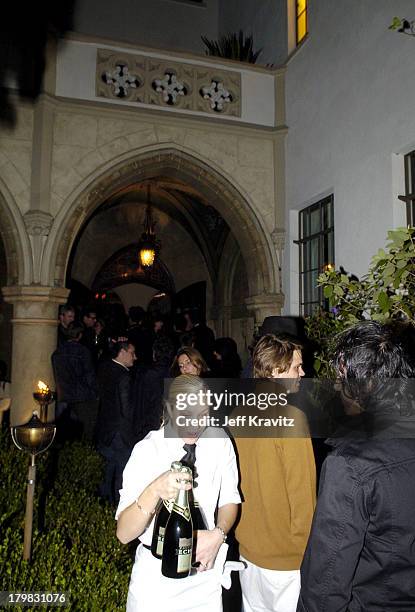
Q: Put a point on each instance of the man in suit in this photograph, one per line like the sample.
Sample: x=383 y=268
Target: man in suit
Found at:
x=115 y=438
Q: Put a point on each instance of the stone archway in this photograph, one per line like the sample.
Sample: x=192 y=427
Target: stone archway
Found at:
x=34 y=306
x=216 y=189
x=15 y=240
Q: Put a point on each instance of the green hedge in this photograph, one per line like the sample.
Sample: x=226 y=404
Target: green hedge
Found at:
x=76 y=549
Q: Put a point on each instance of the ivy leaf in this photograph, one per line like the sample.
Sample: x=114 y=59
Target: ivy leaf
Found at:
x=401 y=263
x=328 y=291
x=383 y=301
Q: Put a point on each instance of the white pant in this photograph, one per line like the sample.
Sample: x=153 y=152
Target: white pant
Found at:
x=266 y=590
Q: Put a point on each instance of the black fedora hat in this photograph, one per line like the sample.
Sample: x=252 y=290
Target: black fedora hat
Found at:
x=284 y=326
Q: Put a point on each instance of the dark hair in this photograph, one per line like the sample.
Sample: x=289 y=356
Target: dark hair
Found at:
x=230 y=361
x=272 y=352
x=366 y=357
x=195 y=315
x=73 y=331
x=116 y=347
x=372 y=350
x=180 y=322
x=63 y=308
x=86 y=312
x=136 y=313
x=163 y=350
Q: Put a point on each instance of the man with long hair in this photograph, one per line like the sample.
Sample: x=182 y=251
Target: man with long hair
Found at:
x=278 y=482
x=361 y=551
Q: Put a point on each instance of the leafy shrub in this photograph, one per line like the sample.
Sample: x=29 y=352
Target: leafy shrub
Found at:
x=385 y=293
x=77 y=550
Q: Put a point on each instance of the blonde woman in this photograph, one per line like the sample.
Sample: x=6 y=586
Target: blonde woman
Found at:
x=147 y=480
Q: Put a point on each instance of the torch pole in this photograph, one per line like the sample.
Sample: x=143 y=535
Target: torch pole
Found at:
x=31 y=480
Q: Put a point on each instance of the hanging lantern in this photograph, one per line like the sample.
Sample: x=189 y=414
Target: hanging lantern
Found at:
x=149 y=246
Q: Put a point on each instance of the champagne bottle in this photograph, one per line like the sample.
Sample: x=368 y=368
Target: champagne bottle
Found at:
x=161 y=519
x=178 y=537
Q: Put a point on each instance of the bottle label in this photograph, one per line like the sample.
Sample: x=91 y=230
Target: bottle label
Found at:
x=160 y=540
x=184 y=512
x=184 y=555
x=168 y=504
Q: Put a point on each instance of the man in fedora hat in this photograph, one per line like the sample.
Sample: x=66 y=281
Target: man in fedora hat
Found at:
x=285 y=326
x=278 y=483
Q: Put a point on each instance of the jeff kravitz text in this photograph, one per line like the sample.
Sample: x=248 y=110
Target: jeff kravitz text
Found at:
x=242 y=420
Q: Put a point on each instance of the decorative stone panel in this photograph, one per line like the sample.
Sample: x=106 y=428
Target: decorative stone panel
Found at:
x=170 y=85
x=219 y=92
x=145 y=80
x=120 y=76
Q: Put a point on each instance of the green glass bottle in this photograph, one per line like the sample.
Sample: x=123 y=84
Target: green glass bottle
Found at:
x=178 y=537
x=161 y=519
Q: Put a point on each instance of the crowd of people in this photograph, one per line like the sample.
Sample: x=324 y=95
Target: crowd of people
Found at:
x=110 y=383
x=351 y=548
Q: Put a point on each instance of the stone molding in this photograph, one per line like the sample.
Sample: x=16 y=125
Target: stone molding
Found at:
x=146 y=80
x=38 y=224
x=35 y=303
x=265 y=305
x=278 y=239
x=34 y=340
x=212 y=186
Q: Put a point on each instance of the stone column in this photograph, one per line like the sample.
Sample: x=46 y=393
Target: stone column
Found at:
x=265 y=305
x=222 y=317
x=34 y=340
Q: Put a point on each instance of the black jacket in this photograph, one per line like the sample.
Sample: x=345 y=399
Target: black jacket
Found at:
x=148 y=400
x=74 y=373
x=115 y=412
x=361 y=553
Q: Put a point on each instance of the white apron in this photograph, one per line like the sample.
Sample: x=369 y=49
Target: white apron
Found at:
x=149 y=590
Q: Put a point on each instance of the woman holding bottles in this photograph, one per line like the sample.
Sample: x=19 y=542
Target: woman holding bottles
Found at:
x=147 y=481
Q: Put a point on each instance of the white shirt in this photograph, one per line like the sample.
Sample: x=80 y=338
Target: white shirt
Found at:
x=217 y=473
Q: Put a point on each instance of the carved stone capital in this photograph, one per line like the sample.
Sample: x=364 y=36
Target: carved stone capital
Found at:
x=37 y=222
x=278 y=238
x=265 y=305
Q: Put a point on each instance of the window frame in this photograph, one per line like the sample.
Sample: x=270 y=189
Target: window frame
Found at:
x=325 y=254
x=298 y=15
x=409 y=197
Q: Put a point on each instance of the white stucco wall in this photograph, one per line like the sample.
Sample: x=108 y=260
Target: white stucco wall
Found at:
x=350 y=111
x=265 y=20
x=166 y=24
x=76 y=70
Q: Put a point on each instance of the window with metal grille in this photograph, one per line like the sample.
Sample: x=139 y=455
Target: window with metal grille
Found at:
x=301 y=28
x=409 y=197
x=316 y=242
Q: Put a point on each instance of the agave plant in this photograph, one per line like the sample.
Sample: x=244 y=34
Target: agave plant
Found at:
x=233 y=46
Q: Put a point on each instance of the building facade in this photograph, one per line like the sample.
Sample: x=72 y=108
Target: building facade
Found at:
x=233 y=156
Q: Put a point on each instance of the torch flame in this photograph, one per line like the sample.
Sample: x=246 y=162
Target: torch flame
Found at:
x=42 y=387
